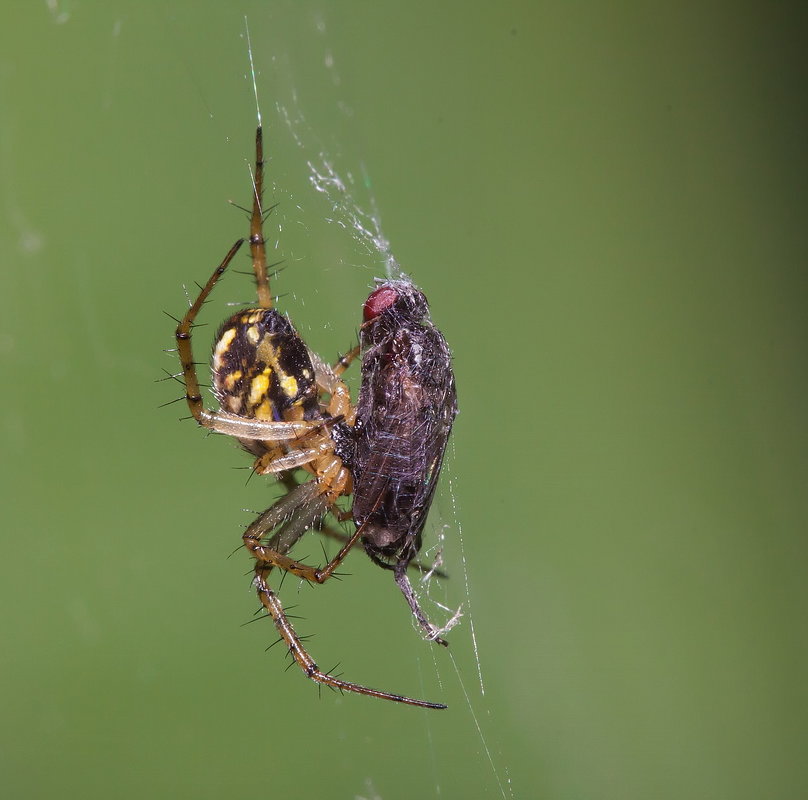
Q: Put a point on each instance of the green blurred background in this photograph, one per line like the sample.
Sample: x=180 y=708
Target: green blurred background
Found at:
x=606 y=205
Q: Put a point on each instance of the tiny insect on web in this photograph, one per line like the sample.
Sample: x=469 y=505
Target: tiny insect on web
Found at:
x=292 y=411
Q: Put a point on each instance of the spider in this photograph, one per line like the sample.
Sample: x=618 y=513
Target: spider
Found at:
x=291 y=410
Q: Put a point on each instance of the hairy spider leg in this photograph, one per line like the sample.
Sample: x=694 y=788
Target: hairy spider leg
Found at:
x=272 y=604
x=304 y=494
x=257 y=241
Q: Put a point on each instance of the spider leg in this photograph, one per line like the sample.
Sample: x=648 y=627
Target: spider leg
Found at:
x=183 y=335
x=328 y=375
x=272 y=604
x=344 y=361
x=329 y=381
x=256 y=429
x=275 y=556
x=257 y=241
x=403 y=581
x=304 y=497
x=271 y=463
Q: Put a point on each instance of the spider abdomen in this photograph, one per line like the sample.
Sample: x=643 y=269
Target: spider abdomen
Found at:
x=261 y=368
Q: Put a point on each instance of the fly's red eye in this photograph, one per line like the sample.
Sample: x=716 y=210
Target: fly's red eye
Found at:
x=380 y=300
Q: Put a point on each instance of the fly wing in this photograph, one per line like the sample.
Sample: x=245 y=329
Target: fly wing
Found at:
x=436 y=449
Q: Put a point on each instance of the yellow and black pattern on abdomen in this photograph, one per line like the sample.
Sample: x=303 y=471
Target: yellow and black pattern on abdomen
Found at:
x=261 y=368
